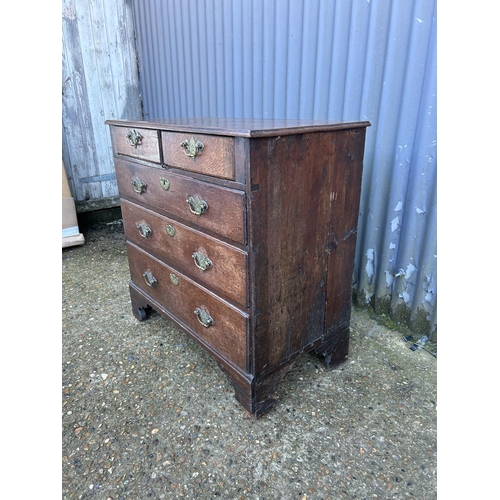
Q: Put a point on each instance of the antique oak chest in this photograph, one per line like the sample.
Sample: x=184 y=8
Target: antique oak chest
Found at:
x=243 y=233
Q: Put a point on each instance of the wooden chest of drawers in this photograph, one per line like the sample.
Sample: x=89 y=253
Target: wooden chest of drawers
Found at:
x=243 y=233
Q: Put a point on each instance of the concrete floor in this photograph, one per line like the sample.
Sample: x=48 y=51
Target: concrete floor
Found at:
x=146 y=413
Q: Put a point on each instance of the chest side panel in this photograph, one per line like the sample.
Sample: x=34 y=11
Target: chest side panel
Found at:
x=304 y=208
x=345 y=180
x=289 y=214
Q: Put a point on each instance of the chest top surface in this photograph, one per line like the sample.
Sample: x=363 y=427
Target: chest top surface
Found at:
x=241 y=127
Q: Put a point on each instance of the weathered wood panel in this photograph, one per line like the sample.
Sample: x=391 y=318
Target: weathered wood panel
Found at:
x=100 y=81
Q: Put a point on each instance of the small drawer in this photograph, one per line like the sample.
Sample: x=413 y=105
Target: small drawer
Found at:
x=214 y=321
x=207 y=206
x=205 y=154
x=136 y=142
x=207 y=260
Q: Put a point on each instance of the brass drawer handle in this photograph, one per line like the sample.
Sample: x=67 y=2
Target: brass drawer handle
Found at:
x=139 y=185
x=203 y=317
x=202 y=261
x=192 y=148
x=149 y=278
x=144 y=230
x=197 y=205
x=134 y=138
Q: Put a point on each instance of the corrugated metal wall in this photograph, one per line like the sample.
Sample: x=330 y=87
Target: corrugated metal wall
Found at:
x=100 y=80
x=340 y=60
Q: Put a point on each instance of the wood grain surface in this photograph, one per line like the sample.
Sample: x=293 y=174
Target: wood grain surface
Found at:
x=226 y=207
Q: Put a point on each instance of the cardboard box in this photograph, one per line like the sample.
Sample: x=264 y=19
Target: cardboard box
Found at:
x=66 y=193
x=70 y=232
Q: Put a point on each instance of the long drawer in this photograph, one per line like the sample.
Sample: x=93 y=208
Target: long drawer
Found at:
x=207 y=260
x=215 y=321
x=205 y=205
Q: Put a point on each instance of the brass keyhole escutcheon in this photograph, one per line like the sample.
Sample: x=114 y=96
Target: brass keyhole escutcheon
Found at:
x=170 y=230
x=174 y=279
x=164 y=183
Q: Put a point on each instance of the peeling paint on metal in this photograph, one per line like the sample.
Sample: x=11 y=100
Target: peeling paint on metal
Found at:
x=430 y=295
x=394 y=224
x=389 y=279
x=404 y=285
x=370 y=264
x=410 y=271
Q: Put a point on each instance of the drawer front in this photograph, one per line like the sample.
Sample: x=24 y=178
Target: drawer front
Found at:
x=194 y=306
x=206 y=154
x=136 y=142
x=206 y=260
x=221 y=209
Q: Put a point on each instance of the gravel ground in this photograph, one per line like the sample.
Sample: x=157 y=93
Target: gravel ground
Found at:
x=146 y=413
